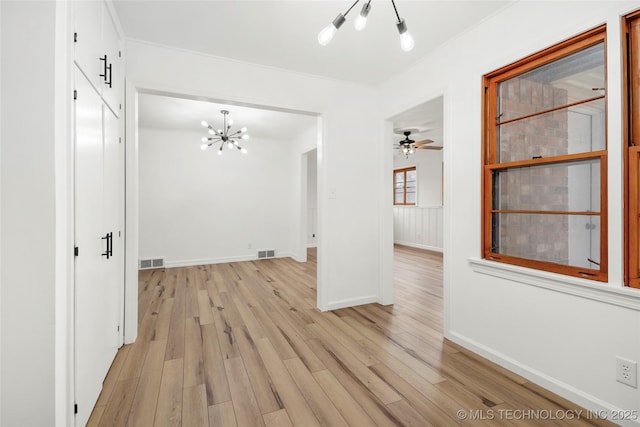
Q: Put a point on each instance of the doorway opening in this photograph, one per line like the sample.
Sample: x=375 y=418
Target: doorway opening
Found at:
x=418 y=206
x=193 y=207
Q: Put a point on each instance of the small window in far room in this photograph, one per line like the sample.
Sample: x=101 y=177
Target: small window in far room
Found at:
x=405 y=186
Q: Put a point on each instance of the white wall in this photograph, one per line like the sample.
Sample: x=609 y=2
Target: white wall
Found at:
x=421 y=226
x=28 y=216
x=428 y=165
x=199 y=208
x=351 y=219
x=562 y=333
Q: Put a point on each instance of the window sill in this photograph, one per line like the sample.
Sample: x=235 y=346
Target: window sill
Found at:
x=589 y=289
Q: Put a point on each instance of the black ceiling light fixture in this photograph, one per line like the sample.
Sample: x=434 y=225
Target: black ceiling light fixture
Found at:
x=325 y=36
x=408 y=146
x=223 y=136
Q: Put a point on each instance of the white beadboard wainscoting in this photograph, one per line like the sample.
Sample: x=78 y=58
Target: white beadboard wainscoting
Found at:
x=420 y=227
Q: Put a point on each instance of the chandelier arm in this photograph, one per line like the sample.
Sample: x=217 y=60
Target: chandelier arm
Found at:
x=349 y=10
x=395 y=9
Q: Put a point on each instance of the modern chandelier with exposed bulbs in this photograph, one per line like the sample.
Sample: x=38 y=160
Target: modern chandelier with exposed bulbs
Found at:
x=406 y=40
x=223 y=136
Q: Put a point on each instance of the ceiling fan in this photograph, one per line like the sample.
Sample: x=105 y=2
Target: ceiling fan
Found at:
x=408 y=146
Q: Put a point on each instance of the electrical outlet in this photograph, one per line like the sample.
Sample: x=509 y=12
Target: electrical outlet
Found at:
x=627 y=371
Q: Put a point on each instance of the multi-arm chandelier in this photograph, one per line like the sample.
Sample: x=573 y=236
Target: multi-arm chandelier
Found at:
x=325 y=36
x=223 y=136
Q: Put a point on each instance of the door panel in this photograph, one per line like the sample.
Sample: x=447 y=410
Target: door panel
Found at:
x=113 y=209
x=96 y=294
x=88 y=27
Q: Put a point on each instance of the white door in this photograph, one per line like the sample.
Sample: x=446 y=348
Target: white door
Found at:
x=96 y=292
x=113 y=205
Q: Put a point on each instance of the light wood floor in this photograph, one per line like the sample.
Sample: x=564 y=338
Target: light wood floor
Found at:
x=242 y=345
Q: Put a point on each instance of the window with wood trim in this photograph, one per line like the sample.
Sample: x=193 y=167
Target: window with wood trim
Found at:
x=632 y=152
x=405 y=186
x=545 y=159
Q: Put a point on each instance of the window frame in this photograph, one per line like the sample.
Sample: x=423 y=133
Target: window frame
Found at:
x=404 y=190
x=631 y=152
x=491 y=164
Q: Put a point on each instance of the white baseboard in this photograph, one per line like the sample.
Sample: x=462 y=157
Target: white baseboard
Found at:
x=419 y=246
x=577 y=396
x=351 y=302
x=220 y=260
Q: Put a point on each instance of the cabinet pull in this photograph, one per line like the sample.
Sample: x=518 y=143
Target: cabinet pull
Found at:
x=104 y=75
x=109 y=238
x=108 y=82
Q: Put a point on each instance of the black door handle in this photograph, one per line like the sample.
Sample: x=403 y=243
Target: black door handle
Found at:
x=104 y=75
x=109 y=238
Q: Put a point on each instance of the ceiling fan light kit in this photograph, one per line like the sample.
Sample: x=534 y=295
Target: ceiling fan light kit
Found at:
x=326 y=35
x=224 y=136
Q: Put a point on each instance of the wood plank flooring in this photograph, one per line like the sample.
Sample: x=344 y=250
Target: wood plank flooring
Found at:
x=242 y=345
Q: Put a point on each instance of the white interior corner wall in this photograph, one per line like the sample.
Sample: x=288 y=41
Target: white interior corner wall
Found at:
x=542 y=326
x=303 y=147
x=348 y=187
x=200 y=208
x=28 y=202
x=305 y=210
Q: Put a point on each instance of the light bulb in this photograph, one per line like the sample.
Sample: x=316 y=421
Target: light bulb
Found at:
x=325 y=36
x=245 y=136
x=243 y=130
x=243 y=150
x=205 y=139
x=211 y=132
x=219 y=152
x=230 y=122
x=229 y=145
x=361 y=21
x=406 y=41
x=204 y=146
x=203 y=123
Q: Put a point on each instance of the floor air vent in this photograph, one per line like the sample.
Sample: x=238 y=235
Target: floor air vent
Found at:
x=267 y=253
x=146 y=264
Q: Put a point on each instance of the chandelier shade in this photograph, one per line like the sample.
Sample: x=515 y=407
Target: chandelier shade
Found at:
x=224 y=135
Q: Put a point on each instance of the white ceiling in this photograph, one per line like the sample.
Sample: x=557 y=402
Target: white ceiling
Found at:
x=424 y=120
x=183 y=114
x=283 y=33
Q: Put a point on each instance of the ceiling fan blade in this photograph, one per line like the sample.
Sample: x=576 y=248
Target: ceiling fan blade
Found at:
x=430 y=147
x=424 y=141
